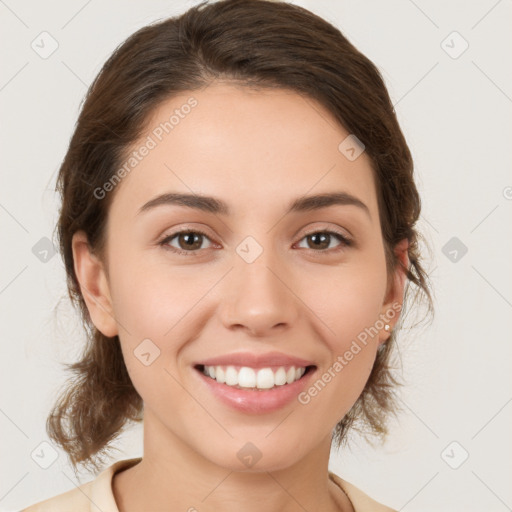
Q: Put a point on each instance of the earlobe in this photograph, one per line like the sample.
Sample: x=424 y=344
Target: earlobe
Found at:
x=395 y=296
x=94 y=286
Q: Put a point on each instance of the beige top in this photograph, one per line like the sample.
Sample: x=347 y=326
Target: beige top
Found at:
x=97 y=495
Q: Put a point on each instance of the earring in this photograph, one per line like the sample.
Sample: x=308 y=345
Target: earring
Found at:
x=387 y=327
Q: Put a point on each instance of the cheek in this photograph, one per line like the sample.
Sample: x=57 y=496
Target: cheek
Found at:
x=349 y=301
x=349 y=304
x=352 y=343
x=150 y=299
x=157 y=310
x=334 y=391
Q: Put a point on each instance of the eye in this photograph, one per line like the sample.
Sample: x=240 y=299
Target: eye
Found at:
x=320 y=241
x=189 y=239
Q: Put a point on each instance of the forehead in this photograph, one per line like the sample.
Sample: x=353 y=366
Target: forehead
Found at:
x=250 y=147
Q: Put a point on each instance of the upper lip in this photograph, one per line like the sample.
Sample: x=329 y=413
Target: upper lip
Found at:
x=256 y=360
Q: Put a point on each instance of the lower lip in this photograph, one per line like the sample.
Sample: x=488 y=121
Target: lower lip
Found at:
x=255 y=401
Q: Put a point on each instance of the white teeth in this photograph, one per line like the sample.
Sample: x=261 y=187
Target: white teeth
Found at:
x=265 y=379
x=246 y=377
x=280 y=377
x=231 y=376
x=220 y=375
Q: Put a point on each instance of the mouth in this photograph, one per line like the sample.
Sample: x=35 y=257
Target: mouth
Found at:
x=255 y=379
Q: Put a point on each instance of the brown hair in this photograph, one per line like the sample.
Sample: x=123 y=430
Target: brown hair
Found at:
x=255 y=43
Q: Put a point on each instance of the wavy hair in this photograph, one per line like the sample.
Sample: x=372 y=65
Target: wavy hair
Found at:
x=255 y=43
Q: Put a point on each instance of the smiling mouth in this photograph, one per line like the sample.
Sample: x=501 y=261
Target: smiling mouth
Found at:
x=255 y=379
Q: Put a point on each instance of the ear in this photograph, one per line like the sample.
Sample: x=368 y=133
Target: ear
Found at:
x=394 y=300
x=94 y=286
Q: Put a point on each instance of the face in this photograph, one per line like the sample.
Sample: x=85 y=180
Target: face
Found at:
x=269 y=280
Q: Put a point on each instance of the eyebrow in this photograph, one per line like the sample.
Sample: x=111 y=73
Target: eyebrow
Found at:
x=217 y=206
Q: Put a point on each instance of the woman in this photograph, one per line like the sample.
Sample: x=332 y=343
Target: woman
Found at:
x=237 y=225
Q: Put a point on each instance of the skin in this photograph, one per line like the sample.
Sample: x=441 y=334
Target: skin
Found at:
x=257 y=150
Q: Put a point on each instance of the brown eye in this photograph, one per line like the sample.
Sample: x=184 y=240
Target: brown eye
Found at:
x=321 y=240
x=188 y=241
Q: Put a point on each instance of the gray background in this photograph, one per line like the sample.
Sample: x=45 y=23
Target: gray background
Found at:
x=455 y=112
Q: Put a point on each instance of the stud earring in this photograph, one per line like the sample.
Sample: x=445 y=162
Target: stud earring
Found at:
x=387 y=327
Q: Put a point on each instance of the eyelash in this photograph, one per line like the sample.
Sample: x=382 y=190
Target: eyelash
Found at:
x=345 y=242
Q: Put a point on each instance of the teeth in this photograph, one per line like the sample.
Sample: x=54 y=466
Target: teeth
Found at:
x=246 y=377
x=220 y=375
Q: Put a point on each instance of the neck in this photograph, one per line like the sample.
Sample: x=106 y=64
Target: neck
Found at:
x=172 y=476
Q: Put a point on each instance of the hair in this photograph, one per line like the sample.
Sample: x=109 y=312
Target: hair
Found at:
x=253 y=43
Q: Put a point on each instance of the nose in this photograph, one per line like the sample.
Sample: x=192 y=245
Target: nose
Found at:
x=258 y=297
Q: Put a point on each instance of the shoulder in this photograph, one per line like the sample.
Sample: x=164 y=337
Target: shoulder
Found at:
x=76 y=500
x=93 y=496
x=360 y=501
